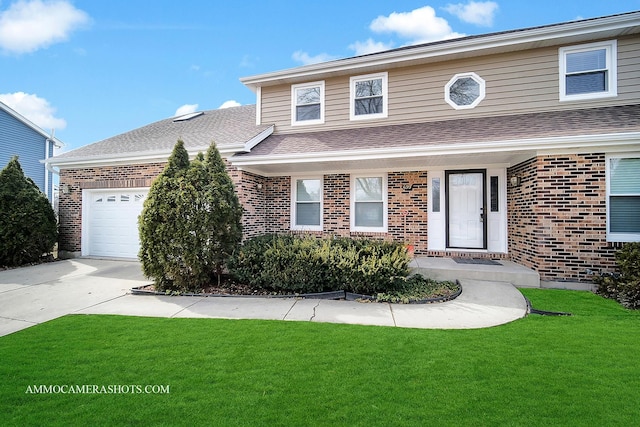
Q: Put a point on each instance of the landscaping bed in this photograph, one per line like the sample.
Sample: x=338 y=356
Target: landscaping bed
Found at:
x=417 y=290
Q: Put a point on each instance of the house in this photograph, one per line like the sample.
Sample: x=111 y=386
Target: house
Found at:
x=20 y=137
x=520 y=145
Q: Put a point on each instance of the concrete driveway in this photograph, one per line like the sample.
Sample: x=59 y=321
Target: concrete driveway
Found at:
x=36 y=294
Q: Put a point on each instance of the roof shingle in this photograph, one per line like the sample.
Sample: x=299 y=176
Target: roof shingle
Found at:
x=592 y=121
x=227 y=126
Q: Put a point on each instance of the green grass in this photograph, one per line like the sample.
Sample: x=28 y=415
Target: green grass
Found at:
x=578 y=370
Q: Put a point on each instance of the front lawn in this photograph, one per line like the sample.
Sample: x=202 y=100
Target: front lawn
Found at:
x=577 y=370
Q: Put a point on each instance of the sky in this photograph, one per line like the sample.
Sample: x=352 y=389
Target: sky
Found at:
x=92 y=69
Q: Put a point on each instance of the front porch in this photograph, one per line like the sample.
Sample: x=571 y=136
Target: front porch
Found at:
x=483 y=269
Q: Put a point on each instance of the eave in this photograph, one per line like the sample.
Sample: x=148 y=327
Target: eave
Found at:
x=499 y=152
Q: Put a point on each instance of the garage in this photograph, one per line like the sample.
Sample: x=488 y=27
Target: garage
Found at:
x=110 y=222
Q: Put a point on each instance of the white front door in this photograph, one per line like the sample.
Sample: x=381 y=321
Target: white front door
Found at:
x=465 y=210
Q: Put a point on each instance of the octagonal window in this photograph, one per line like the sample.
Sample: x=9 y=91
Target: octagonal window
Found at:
x=464 y=90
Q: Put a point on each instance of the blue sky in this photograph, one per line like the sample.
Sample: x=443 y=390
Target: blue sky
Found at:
x=93 y=69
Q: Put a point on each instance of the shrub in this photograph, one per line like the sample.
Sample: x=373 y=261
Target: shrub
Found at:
x=28 y=225
x=306 y=264
x=190 y=223
x=624 y=285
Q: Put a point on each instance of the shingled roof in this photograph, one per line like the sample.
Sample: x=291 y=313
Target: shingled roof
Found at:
x=555 y=124
x=230 y=128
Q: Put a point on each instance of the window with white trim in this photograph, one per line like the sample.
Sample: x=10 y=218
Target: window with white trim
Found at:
x=368 y=96
x=369 y=203
x=588 y=71
x=464 y=90
x=623 y=198
x=306 y=204
x=307 y=103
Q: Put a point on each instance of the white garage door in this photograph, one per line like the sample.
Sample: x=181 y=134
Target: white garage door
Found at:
x=110 y=222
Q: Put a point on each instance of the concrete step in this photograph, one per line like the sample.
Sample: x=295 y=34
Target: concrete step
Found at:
x=448 y=269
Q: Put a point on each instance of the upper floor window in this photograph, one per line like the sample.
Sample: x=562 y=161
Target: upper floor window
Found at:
x=588 y=71
x=464 y=90
x=623 y=198
x=306 y=206
x=369 y=96
x=307 y=106
x=369 y=203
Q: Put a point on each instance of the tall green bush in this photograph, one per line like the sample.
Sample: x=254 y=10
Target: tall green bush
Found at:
x=28 y=225
x=190 y=223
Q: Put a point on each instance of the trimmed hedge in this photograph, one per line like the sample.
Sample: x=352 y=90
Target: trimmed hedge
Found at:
x=306 y=264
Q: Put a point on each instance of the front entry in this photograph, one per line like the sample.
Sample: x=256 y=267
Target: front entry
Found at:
x=465 y=195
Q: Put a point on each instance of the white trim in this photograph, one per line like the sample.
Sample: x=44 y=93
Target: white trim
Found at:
x=294 y=105
x=474 y=77
x=582 y=142
x=385 y=98
x=385 y=203
x=258 y=105
x=611 y=48
x=617 y=237
x=294 y=201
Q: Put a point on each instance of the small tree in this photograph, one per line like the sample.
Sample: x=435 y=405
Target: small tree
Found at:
x=222 y=214
x=159 y=221
x=28 y=225
x=190 y=224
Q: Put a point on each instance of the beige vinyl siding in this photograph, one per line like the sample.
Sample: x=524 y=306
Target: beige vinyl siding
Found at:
x=516 y=83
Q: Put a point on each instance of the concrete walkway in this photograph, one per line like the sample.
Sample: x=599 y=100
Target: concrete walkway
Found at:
x=32 y=295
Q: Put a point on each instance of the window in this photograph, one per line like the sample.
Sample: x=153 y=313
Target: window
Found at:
x=306 y=210
x=464 y=90
x=369 y=96
x=495 y=207
x=369 y=203
x=307 y=105
x=435 y=195
x=623 y=198
x=588 y=71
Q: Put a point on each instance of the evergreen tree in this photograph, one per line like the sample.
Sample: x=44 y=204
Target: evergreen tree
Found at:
x=224 y=213
x=28 y=225
x=160 y=223
x=191 y=222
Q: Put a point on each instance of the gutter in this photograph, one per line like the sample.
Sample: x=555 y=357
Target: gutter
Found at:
x=549 y=144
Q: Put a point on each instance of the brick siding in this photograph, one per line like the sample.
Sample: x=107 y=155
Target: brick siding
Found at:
x=557 y=216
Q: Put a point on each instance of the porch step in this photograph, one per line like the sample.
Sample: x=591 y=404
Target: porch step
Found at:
x=447 y=269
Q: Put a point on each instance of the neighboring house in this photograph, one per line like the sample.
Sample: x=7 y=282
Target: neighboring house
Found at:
x=20 y=137
x=520 y=145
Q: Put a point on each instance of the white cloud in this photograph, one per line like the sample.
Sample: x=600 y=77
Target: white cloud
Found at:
x=369 y=46
x=229 y=104
x=27 y=26
x=474 y=12
x=420 y=25
x=36 y=109
x=186 y=109
x=306 y=59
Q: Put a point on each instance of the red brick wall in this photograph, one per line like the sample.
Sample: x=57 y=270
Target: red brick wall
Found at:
x=557 y=216
x=336 y=207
